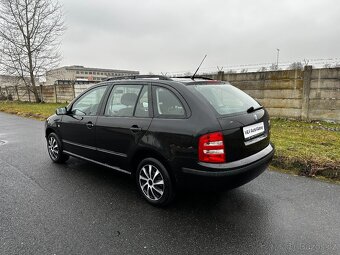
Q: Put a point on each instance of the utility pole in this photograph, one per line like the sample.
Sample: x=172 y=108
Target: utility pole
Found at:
x=277 y=59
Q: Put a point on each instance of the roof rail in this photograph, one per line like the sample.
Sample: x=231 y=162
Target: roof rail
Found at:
x=139 y=76
x=196 y=77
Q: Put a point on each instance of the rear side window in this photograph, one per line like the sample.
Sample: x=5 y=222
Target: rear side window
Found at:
x=167 y=104
x=122 y=100
x=225 y=98
x=142 y=106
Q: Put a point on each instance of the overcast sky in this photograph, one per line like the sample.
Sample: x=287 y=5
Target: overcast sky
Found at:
x=173 y=35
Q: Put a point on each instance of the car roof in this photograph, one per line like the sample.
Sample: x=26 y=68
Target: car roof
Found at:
x=186 y=80
x=196 y=81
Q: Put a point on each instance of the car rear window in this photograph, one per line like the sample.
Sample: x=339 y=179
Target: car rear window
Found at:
x=225 y=98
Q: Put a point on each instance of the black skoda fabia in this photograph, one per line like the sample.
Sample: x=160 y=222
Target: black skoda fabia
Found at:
x=166 y=133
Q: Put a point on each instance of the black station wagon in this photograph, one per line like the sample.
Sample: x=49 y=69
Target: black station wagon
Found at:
x=166 y=133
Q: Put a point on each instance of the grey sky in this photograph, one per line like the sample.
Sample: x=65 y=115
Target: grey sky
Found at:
x=171 y=36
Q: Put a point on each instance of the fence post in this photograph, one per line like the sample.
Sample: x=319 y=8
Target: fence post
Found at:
x=220 y=75
x=28 y=92
x=6 y=89
x=16 y=90
x=41 y=94
x=73 y=92
x=307 y=73
x=55 y=93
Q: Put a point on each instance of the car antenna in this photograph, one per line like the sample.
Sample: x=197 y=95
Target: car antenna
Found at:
x=193 y=77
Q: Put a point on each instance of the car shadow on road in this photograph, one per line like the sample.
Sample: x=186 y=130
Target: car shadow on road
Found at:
x=237 y=213
x=239 y=199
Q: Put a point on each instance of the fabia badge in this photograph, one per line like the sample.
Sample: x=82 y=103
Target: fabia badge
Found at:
x=255 y=117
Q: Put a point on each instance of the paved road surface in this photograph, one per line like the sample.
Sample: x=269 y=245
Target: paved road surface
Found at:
x=81 y=208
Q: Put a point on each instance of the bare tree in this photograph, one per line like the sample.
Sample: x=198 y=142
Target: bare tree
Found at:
x=274 y=67
x=230 y=71
x=262 y=69
x=30 y=33
x=306 y=62
x=295 y=66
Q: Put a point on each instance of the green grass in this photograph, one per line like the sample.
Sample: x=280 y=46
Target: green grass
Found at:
x=304 y=148
x=38 y=111
x=312 y=148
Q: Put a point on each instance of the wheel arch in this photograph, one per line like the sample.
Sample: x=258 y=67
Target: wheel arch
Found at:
x=143 y=153
x=48 y=131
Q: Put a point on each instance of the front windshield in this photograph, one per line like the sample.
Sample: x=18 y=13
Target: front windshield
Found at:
x=225 y=98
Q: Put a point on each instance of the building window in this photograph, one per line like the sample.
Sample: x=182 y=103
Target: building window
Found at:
x=77 y=72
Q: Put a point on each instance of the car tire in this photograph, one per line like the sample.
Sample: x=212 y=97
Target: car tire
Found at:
x=55 y=149
x=154 y=182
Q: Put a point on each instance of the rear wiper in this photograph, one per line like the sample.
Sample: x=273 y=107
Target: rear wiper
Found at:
x=252 y=109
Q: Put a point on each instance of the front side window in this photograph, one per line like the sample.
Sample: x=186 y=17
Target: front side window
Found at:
x=122 y=100
x=167 y=104
x=88 y=104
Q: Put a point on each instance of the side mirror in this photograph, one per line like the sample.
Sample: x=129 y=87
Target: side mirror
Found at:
x=61 y=111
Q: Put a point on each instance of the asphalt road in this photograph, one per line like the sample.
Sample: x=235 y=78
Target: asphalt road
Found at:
x=81 y=208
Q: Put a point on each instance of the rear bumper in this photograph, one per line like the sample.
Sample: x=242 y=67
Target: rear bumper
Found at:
x=231 y=174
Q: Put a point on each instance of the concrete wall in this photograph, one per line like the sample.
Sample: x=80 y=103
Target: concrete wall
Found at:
x=50 y=94
x=279 y=92
x=309 y=94
x=324 y=94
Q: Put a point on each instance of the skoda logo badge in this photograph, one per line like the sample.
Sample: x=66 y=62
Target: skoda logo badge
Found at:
x=255 y=116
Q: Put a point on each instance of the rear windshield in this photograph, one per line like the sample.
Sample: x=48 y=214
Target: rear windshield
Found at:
x=225 y=98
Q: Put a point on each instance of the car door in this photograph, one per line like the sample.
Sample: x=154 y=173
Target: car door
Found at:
x=124 y=121
x=78 y=126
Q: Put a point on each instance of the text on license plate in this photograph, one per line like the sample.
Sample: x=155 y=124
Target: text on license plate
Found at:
x=253 y=130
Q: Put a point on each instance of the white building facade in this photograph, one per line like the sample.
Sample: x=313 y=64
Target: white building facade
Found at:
x=81 y=73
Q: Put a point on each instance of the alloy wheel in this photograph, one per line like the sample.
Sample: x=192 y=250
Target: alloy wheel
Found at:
x=151 y=182
x=53 y=148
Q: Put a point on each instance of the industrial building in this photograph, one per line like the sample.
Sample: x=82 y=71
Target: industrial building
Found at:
x=77 y=74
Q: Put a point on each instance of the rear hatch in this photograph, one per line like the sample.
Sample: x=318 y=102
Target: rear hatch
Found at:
x=245 y=134
x=244 y=122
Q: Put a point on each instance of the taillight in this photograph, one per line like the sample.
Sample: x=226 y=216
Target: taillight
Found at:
x=211 y=148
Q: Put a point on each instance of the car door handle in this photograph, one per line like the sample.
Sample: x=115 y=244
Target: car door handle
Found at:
x=135 y=128
x=89 y=124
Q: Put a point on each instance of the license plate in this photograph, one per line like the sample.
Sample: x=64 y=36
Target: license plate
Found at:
x=253 y=130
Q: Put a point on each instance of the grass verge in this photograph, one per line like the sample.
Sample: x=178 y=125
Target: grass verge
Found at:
x=302 y=148
x=38 y=111
x=307 y=148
